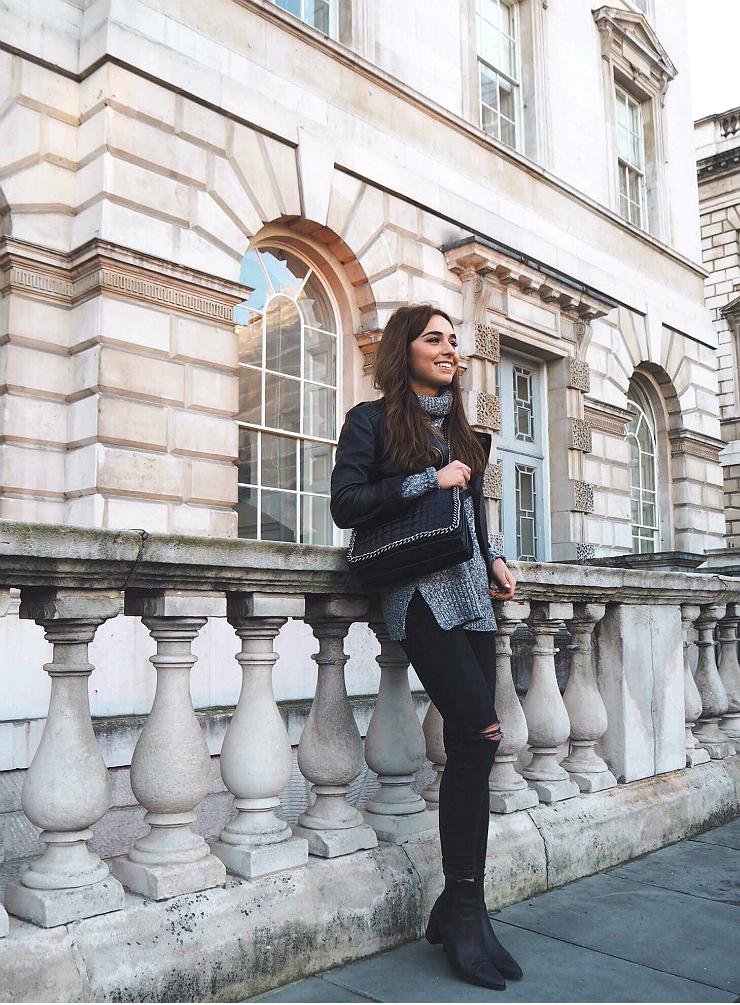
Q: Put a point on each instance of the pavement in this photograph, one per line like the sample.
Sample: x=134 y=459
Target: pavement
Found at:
x=662 y=928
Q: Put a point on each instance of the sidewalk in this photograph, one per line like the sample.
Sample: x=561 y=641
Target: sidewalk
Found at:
x=663 y=928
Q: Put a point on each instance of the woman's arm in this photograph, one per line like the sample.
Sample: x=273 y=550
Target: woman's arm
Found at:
x=354 y=498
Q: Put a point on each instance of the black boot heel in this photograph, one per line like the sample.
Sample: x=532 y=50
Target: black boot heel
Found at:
x=464 y=937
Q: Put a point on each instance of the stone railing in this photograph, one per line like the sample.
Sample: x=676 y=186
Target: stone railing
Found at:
x=632 y=707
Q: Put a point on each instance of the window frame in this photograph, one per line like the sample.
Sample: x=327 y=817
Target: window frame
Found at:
x=301 y=436
x=638 y=401
x=638 y=171
x=333 y=5
x=516 y=84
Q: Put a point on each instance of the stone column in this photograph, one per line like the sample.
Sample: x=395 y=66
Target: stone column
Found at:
x=729 y=672
x=548 y=724
x=395 y=748
x=692 y=702
x=585 y=706
x=256 y=758
x=66 y=789
x=4 y=923
x=436 y=753
x=171 y=763
x=508 y=791
x=330 y=752
x=711 y=689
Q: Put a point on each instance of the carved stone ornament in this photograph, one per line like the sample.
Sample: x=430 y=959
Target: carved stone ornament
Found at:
x=583 y=497
x=488 y=411
x=584 y=552
x=487 y=342
x=628 y=39
x=580 y=375
x=493 y=481
x=497 y=542
x=580 y=435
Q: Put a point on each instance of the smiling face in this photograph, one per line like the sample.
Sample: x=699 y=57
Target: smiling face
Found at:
x=433 y=357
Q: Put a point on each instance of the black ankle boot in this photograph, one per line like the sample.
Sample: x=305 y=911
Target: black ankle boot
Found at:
x=502 y=959
x=456 y=922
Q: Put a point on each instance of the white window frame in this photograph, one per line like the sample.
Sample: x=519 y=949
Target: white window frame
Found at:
x=515 y=82
x=639 y=403
x=511 y=452
x=300 y=436
x=333 y=16
x=629 y=167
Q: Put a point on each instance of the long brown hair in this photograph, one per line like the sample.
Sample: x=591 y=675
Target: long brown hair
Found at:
x=407 y=444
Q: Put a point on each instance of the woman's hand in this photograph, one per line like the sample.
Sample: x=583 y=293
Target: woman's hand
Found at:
x=455 y=473
x=504 y=580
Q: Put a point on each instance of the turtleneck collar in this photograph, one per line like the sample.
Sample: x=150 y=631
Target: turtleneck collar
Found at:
x=436 y=406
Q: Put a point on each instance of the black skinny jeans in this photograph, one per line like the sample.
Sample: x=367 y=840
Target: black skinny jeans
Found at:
x=458 y=671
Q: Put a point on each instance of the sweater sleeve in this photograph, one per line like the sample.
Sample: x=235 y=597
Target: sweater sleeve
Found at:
x=416 y=485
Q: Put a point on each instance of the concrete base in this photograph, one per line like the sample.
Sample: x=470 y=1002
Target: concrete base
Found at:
x=235 y=942
x=333 y=843
x=593 y=781
x=398 y=829
x=261 y=860
x=554 y=791
x=49 y=908
x=160 y=882
x=718 y=749
x=509 y=802
x=696 y=755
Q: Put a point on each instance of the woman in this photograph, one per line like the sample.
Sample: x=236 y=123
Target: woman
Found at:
x=390 y=452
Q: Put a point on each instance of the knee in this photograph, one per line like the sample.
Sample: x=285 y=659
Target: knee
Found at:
x=476 y=748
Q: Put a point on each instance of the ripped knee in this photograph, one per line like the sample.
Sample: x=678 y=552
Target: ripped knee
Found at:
x=493 y=732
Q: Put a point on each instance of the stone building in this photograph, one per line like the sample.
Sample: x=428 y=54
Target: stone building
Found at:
x=207 y=213
x=718 y=172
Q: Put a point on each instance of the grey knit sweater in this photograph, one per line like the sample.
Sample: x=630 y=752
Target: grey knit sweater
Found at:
x=456 y=596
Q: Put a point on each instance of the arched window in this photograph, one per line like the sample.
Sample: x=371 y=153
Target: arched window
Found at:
x=288 y=366
x=642 y=440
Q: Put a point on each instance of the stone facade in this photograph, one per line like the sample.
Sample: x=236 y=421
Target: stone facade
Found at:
x=718 y=171
x=149 y=147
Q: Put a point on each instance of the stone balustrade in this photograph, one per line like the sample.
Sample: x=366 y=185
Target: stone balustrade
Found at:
x=631 y=709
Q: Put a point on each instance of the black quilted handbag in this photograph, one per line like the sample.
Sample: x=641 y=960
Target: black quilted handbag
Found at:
x=431 y=534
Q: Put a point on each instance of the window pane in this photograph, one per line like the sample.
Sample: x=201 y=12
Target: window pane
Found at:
x=252 y=275
x=249 y=340
x=283 y=337
x=623 y=143
x=316 y=306
x=320 y=357
x=507 y=57
x=292 y=6
x=648 y=472
x=316 y=522
x=282 y=403
x=319 y=412
x=250 y=395
x=506 y=99
x=247 y=463
x=316 y=464
x=246 y=510
x=488 y=87
x=508 y=132
x=317 y=14
x=278 y=461
x=286 y=272
x=278 y=515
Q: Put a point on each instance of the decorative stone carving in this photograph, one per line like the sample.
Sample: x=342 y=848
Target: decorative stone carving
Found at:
x=436 y=753
x=580 y=435
x=493 y=481
x=692 y=700
x=487 y=342
x=580 y=375
x=711 y=689
x=583 y=497
x=488 y=410
x=497 y=542
x=584 y=552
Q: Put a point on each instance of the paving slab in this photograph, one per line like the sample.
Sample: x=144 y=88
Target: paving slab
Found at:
x=704 y=870
x=727 y=835
x=315 y=989
x=555 y=971
x=665 y=930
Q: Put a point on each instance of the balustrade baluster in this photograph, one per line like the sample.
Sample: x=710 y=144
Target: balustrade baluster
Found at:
x=585 y=706
x=692 y=700
x=711 y=689
x=432 y=729
x=330 y=752
x=66 y=789
x=508 y=791
x=256 y=758
x=171 y=763
x=395 y=748
x=548 y=724
x=729 y=672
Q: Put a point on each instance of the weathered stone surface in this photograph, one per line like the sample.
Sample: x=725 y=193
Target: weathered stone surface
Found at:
x=50 y=908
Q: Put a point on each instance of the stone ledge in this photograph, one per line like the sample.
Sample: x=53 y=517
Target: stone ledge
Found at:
x=232 y=943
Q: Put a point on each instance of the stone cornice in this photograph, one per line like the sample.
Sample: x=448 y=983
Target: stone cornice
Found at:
x=100 y=267
x=629 y=36
x=475 y=255
x=686 y=441
x=74 y=557
x=605 y=417
x=724 y=162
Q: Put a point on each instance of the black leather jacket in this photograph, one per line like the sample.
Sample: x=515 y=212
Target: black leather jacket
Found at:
x=364 y=490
